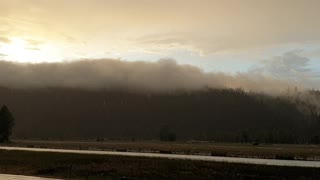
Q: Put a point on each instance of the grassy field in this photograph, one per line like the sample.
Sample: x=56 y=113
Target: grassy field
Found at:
x=278 y=151
x=80 y=166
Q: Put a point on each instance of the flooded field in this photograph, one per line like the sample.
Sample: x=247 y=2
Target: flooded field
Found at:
x=271 y=162
x=19 y=177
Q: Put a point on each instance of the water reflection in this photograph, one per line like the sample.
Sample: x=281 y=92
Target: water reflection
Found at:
x=18 y=177
x=273 y=162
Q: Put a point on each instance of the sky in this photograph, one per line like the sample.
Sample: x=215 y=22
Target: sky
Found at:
x=278 y=38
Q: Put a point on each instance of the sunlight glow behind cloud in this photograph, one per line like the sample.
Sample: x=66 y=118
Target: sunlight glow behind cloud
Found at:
x=208 y=33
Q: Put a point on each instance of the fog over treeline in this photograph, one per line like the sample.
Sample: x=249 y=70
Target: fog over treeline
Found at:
x=116 y=99
x=164 y=75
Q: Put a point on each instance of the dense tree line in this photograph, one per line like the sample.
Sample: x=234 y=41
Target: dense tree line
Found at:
x=231 y=115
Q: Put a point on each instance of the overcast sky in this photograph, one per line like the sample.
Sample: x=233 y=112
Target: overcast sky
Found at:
x=278 y=38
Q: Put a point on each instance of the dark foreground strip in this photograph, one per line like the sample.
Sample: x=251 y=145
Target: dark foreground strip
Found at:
x=270 y=162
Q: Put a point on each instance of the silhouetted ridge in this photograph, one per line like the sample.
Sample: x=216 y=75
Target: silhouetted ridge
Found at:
x=211 y=114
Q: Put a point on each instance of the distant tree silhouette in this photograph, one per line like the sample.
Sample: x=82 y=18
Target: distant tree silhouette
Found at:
x=244 y=137
x=315 y=140
x=166 y=134
x=6 y=124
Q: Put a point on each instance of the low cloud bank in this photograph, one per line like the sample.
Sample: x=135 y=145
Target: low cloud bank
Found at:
x=164 y=75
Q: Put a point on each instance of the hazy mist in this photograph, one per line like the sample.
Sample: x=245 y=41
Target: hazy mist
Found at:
x=164 y=75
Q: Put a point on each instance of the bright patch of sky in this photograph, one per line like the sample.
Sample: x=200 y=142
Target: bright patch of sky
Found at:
x=216 y=36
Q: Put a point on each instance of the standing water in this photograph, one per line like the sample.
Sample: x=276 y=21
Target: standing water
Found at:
x=18 y=177
x=271 y=162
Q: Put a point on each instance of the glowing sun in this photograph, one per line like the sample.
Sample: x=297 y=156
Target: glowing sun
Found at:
x=18 y=50
x=22 y=50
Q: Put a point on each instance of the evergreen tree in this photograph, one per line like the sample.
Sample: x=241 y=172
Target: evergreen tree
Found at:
x=6 y=124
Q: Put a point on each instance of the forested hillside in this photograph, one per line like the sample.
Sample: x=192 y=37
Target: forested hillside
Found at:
x=211 y=114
